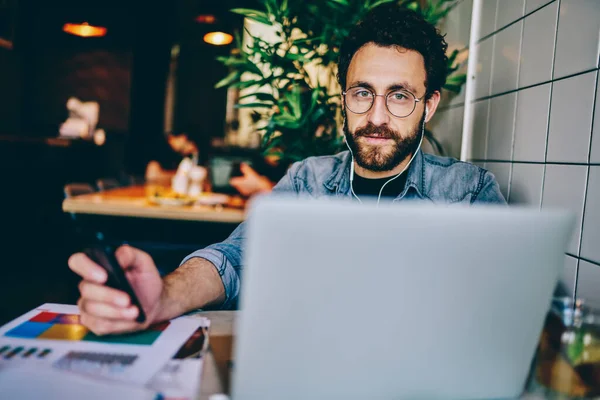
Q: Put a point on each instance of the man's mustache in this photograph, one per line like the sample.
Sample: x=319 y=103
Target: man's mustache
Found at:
x=382 y=131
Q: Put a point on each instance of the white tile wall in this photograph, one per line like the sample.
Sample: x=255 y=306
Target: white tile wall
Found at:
x=532 y=5
x=450 y=26
x=588 y=283
x=531 y=125
x=550 y=66
x=578 y=37
x=488 y=17
x=595 y=153
x=502 y=173
x=539 y=32
x=457 y=25
x=480 y=129
x=500 y=131
x=446 y=126
x=571 y=113
x=508 y=11
x=452 y=141
x=507 y=52
x=526 y=184
x=590 y=240
x=569 y=275
x=564 y=187
x=483 y=75
x=464 y=10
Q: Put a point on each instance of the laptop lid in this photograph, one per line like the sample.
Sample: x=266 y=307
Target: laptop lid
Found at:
x=348 y=301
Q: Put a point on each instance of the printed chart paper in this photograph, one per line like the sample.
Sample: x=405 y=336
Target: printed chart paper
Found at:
x=52 y=335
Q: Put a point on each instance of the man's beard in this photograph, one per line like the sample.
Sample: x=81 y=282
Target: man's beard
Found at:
x=383 y=158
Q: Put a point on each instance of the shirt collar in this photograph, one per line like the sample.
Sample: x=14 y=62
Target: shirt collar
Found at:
x=416 y=175
x=339 y=180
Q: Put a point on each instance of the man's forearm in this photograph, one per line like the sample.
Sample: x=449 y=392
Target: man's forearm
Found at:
x=195 y=284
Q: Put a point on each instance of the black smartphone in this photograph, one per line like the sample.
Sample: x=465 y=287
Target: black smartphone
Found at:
x=104 y=256
x=236 y=169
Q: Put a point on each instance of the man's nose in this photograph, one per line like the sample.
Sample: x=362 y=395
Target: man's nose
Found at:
x=378 y=114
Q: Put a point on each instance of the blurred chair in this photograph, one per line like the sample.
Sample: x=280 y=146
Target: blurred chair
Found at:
x=107 y=184
x=77 y=188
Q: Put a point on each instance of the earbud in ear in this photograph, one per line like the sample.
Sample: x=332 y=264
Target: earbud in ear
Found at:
x=426 y=112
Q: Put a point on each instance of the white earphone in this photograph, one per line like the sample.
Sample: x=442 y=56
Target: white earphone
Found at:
x=401 y=172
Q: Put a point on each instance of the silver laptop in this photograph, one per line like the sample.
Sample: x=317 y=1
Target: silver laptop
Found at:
x=348 y=301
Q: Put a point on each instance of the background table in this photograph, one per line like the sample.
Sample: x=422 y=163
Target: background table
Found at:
x=131 y=201
x=167 y=233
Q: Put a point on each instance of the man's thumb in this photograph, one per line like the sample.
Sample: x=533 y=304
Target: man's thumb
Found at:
x=128 y=257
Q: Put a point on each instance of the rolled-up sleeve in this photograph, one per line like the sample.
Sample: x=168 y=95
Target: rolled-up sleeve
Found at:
x=227 y=256
x=227 y=259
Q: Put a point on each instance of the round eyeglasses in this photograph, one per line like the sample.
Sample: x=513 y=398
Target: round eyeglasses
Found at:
x=400 y=103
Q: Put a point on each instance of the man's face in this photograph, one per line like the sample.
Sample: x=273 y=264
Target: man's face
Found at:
x=379 y=140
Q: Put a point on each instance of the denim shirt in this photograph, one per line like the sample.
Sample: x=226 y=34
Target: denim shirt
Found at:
x=430 y=178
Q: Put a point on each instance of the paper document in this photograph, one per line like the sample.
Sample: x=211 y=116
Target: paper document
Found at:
x=180 y=378
x=26 y=381
x=51 y=336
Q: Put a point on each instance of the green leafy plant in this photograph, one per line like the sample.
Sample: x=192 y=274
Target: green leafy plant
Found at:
x=290 y=83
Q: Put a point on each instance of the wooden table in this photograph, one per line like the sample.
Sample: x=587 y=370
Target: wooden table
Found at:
x=215 y=371
x=131 y=201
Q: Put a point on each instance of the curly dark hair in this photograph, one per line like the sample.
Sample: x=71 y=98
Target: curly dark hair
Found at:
x=391 y=25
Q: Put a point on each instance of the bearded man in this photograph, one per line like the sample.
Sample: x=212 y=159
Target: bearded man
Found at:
x=391 y=70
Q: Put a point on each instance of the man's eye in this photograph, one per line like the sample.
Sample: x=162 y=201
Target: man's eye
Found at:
x=363 y=93
x=399 y=96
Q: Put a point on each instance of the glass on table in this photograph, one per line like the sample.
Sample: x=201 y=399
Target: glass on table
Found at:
x=567 y=361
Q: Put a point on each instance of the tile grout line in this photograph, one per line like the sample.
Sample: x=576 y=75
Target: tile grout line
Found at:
x=547 y=138
x=587 y=71
x=594 y=164
x=488 y=105
x=595 y=118
x=489 y=89
x=587 y=260
x=525 y=15
x=515 y=109
x=549 y=109
x=450 y=107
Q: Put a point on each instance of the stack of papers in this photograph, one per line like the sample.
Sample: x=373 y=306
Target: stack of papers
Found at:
x=48 y=353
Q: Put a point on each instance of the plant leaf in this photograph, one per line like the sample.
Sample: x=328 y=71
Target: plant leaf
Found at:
x=228 y=80
x=340 y=2
x=378 y=3
x=259 y=96
x=254 y=105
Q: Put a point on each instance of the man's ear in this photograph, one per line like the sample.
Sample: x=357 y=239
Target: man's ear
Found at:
x=431 y=105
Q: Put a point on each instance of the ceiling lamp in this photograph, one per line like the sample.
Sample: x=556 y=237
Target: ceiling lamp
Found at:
x=84 y=30
x=218 y=38
x=206 y=19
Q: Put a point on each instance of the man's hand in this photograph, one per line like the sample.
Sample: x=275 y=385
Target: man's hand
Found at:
x=106 y=310
x=251 y=182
